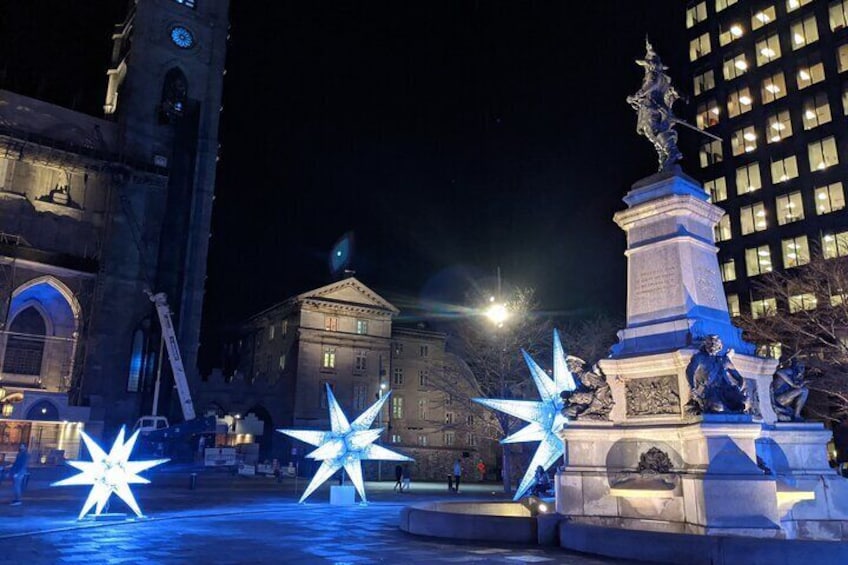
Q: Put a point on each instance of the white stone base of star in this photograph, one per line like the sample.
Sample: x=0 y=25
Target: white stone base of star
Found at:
x=109 y=473
x=345 y=446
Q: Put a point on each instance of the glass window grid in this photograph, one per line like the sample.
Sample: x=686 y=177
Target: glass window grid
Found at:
x=743 y=140
x=784 y=169
x=722 y=229
x=710 y=153
x=704 y=82
x=763 y=307
x=768 y=49
x=733 y=305
x=748 y=178
x=763 y=17
x=816 y=111
x=800 y=302
x=773 y=88
x=734 y=67
x=834 y=245
x=708 y=114
x=729 y=33
x=789 y=208
x=796 y=251
x=699 y=47
x=717 y=189
x=752 y=218
x=758 y=260
x=822 y=154
x=803 y=32
x=728 y=270
x=829 y=198
x=778 y=126
x=696 y=14
x=838 y=15
x=739 y=101
x=809 y=74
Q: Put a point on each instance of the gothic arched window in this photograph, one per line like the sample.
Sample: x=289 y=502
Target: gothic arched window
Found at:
x=25 y=343
x=174 y=96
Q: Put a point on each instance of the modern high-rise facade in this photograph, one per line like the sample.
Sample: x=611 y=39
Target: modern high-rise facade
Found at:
x=770 y=78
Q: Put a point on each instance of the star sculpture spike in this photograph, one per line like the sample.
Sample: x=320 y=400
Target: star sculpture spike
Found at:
x=109 y=473
x=544 y=417
x=345 y=446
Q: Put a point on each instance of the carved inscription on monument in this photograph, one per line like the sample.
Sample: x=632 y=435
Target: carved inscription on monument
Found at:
x=653 y=282
x=708 y=286
x=652 y=396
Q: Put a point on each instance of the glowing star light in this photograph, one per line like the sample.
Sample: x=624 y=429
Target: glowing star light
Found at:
x=346 y=445
x=545 y=418
x=109 y=473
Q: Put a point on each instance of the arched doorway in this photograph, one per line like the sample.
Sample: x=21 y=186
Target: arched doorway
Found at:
x=25 y=344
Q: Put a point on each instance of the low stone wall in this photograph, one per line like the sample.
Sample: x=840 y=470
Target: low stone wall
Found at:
x=693 y=549
x=482 y=521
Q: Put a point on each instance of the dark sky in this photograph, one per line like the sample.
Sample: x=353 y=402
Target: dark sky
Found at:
x=450 y=137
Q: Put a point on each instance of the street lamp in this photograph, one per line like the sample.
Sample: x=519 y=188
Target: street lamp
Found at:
x=496 y=312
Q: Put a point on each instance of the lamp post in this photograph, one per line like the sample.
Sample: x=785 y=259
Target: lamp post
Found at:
x=380 y=392
x=498 y=313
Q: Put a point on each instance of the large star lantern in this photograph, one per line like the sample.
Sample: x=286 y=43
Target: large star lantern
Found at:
x=109 y=473
x=545 y=417
x=346 y=445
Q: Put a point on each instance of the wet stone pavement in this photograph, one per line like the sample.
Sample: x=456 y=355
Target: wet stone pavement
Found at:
x=240 y=520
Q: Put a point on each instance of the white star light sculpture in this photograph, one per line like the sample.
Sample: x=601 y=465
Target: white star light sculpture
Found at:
x=545 y=418
x=109 y=473
x=346 y=445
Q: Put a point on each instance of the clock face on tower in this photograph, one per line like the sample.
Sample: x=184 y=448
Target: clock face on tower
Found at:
x=182 y=37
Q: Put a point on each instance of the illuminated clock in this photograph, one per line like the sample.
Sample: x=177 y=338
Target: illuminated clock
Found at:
x=182 y=37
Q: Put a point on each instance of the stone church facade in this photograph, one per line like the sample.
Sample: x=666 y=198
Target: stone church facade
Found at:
x=280 y=361
x=94 y=211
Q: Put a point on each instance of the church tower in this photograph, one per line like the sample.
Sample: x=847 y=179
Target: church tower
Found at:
x=164 y=94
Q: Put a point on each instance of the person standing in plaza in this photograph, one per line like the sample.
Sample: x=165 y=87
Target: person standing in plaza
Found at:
x=398 y=476
x=457 y=475
x=18 y=473
x=481 y=468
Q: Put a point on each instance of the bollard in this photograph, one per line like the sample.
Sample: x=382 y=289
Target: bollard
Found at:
x=192 y=481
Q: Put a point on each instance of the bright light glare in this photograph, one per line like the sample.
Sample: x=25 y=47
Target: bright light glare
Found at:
x=543 y=507
x=497 y=313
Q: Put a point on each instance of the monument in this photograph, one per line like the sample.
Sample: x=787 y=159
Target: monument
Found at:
x=694 y=436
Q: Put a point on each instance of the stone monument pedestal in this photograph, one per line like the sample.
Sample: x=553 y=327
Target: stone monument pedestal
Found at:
x=656 y=463
x=342 y=495
x=715 y=475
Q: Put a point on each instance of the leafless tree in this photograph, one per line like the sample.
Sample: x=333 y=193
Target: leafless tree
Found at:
x=808 y=317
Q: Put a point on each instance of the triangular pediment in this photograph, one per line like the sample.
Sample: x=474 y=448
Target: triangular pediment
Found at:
x=349 y=292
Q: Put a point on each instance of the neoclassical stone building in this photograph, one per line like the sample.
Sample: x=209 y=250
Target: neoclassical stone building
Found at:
x=343 y=335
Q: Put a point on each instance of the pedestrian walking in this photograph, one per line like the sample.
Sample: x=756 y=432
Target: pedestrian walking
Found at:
x=457 y=475
x=18 y=473
x=481 y=468
x=398 y=477
x=406 y=479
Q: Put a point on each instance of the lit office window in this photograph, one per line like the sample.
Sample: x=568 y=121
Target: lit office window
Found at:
x=773 y=88
x=730 y=33
x=699 y=47
x=842 y=58
x=752 y=218
x=796 y=251
x=743 y=140
x=733 y=305
x=717 y=189
x=728 y=270
x=792 y=5
x=789 y=208
x=822 y=154
x=708 y=114
x=722 y=229
x=704 y=82
x=804 y=32
x=763 y=307
x=329 y=360
x=696 y=14
x=331 y=323
x=362 y=327
x=763 y=17
x=768 y=50
x=799 y=302
x=816 y=111
x=748 y=178
x=783 y=170
x=734 y=67
x=739 y=101
x=830 y=198
x=809 y=74
x=835 y=245
x=710 y=153
x=758 y=260
x=397 y=407
x=838 y=12
x=722 y=4
x=778 y=126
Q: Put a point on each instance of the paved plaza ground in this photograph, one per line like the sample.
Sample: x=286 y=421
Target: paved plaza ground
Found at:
x=230 y=519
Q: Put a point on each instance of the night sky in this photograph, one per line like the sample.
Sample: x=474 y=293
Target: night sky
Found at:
x=450 y=137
